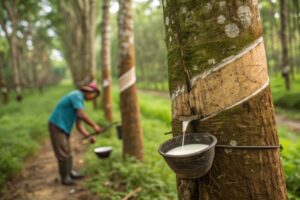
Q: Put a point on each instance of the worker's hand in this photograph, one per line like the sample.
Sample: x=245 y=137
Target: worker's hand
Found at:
x=97 y=128
x=92 y=139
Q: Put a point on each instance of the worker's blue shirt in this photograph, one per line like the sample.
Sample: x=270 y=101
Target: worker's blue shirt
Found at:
x=64 y=115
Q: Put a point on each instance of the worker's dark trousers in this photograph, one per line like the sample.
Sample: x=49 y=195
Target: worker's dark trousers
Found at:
x=60 y=142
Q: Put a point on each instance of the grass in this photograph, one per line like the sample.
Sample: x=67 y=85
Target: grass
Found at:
x=157 y=86
x=291 y=160
x=23 y=128
x=286 y=102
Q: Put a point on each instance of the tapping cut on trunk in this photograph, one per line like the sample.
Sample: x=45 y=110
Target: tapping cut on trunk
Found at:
x=218 y=71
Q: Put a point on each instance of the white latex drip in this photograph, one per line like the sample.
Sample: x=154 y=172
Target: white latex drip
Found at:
x=184 y=128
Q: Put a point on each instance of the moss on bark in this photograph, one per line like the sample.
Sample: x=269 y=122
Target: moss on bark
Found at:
x=195 y=27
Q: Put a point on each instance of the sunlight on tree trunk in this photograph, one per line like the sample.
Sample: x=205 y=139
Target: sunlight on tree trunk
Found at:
x=285 y=58
x=218 y=71
x=106 y=61
x=130 y=112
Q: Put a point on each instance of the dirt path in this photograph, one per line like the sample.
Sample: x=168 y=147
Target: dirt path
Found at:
x=292 y=125
x=40 y=181
x=281 y=120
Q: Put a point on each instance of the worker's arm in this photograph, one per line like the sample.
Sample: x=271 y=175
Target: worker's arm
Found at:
x=82 y=116
x=80 y=127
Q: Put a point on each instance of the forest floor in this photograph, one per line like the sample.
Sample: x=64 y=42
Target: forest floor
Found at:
x=39 y=179
x=291 y=124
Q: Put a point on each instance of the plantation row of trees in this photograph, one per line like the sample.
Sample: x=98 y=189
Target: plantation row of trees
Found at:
x=71 y=27
x=24 y=48
x=282 y=36
x=201 y=38
x=31 y=30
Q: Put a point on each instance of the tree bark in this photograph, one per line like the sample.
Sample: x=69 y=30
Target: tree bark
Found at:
x=13 y=43
x=130 y=112
x=297 y=19
x=285 y=69
x=78 y=44
x=218 y=72
x=11 y=9
x=106 y=62
x=3 y=85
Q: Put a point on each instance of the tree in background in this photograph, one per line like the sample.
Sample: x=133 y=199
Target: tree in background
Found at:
x=285 y=57
x=78 y=44
x=218 y=72
x=3 y=85
x=150 y=50
x=106 y=61
x=42 y=72
x=149 y=45
x=10 y=15
x=130 y=112
x=270 y=11
x=21 y=22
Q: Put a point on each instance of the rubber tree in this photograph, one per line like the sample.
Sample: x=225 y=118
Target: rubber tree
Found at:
x=130 y=112
x=78 y=44
x=9 y=14
x=3 y=84
x=285 y=69
x=106 y=61
x=218 y=73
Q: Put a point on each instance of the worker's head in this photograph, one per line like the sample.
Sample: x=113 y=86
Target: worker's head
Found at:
x=90 y=91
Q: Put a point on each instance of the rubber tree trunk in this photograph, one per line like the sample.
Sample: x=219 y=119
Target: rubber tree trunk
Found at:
x=106 y=61
x=218 y=72
x=285 y=69
x=88 y=14
x=78 y=44
x=11 y=9
x=14 y=64
x=297 y=19
x=91 y=46
x=130 y=112
x=3 y=85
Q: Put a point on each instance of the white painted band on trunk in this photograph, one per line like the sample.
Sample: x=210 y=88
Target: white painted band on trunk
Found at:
x=239 y=102
x=105 y=83
x=127 y=79
x=227 y=61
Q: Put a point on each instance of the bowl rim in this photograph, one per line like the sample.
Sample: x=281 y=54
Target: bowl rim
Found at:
x=213 y=144
x=109 y=148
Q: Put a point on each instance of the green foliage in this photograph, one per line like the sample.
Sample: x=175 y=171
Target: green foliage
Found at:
x=288 y=100
x=155 y=108
x=291 y=161
x=155 y=86
x=23 y=127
